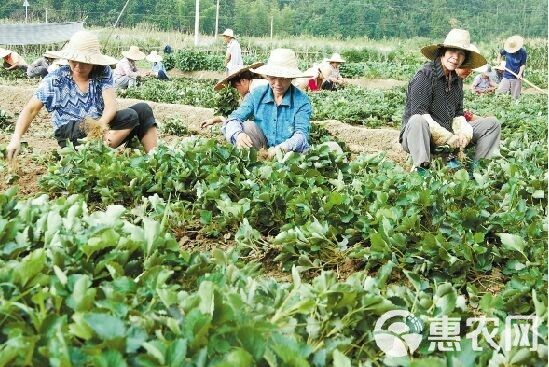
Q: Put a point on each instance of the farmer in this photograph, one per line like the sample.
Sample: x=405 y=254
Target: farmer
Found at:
x=12 y=60
x=332 y=76
x=81 y=90
x=311 y=84
x=281 y=111
x=243 y=80
x=126 y=72
x=39 y=68
x=158 y=70
x=434 y=104
x=515 y=63
x=496 y=75
x=233 y=56
x=482 y=83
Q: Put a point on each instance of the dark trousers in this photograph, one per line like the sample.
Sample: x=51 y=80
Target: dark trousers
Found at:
x=138 y=117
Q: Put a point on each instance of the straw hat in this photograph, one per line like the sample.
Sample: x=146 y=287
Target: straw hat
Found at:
x=501 y=66
x=460 y=39
x=4 y=53
x=134 y=53
x=282 y=63
x=336 y=58
x=228 y=32
x=234 y=74
x=153 y=57
x=83 y=47
x=513 y=44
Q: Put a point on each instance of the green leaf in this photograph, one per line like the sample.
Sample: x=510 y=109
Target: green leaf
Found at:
x=175 y=356
x=513 y=242
x=107 y=327
x=206 y=294
x=151 y=231
x=340 y=359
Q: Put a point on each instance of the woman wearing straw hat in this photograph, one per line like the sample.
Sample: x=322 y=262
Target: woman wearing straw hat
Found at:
x=158 y=69
x=496 y=75
x=281 y=111
x=233 y=56
x=515 y=63
x=332 y=76
x=126 y=72
x=81 y=91
x=434 y=104
x=243 y=80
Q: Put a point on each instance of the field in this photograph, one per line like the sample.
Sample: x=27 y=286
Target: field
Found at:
x=204 y=255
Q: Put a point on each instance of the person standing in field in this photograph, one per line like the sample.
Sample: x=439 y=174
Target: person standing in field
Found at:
x=126 y=72
x=515 y=63
x=433 y=113
x=80 y=94
x=233 y=56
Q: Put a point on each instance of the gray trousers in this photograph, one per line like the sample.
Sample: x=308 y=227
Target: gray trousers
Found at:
x=37 y=71
x=510 y=85
x=254 y=132
x=416 y=139
x=124 y=82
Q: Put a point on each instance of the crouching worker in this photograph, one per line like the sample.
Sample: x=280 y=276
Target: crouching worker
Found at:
x=434 y=105
x=81 y=91
x=281 y=111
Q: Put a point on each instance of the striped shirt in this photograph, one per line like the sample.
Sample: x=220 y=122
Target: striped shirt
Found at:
x=430 y=93
x=66 y=102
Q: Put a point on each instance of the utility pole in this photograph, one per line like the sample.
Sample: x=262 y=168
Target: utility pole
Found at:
x=46 y=15
x=272 y=17
x=216 y=18
x=196 y=23
x=26 y=5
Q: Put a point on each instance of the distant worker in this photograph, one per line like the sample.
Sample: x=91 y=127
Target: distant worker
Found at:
x=496 y=75
x=12 y=60
x=158 y=70
x=482 y=83
x=126 y=72
x=233 y=56
x=244 y=81
x=332 y=75
x=311 y=84
x=39 y=68
x=515 y=63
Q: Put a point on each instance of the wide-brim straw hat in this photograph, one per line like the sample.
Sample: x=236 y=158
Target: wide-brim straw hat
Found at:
x=460 y=39
x=234 y=74
x=153 y=57
x=513 y=44
x=4 y=53
x=336 y=58
x=282 y=63
x=83 y=47
x=228 y=33
x=134 y=53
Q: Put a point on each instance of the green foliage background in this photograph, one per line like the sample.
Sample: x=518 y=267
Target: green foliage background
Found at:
x=345 y=18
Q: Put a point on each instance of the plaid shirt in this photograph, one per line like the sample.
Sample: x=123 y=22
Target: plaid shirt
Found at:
x=430 y=93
